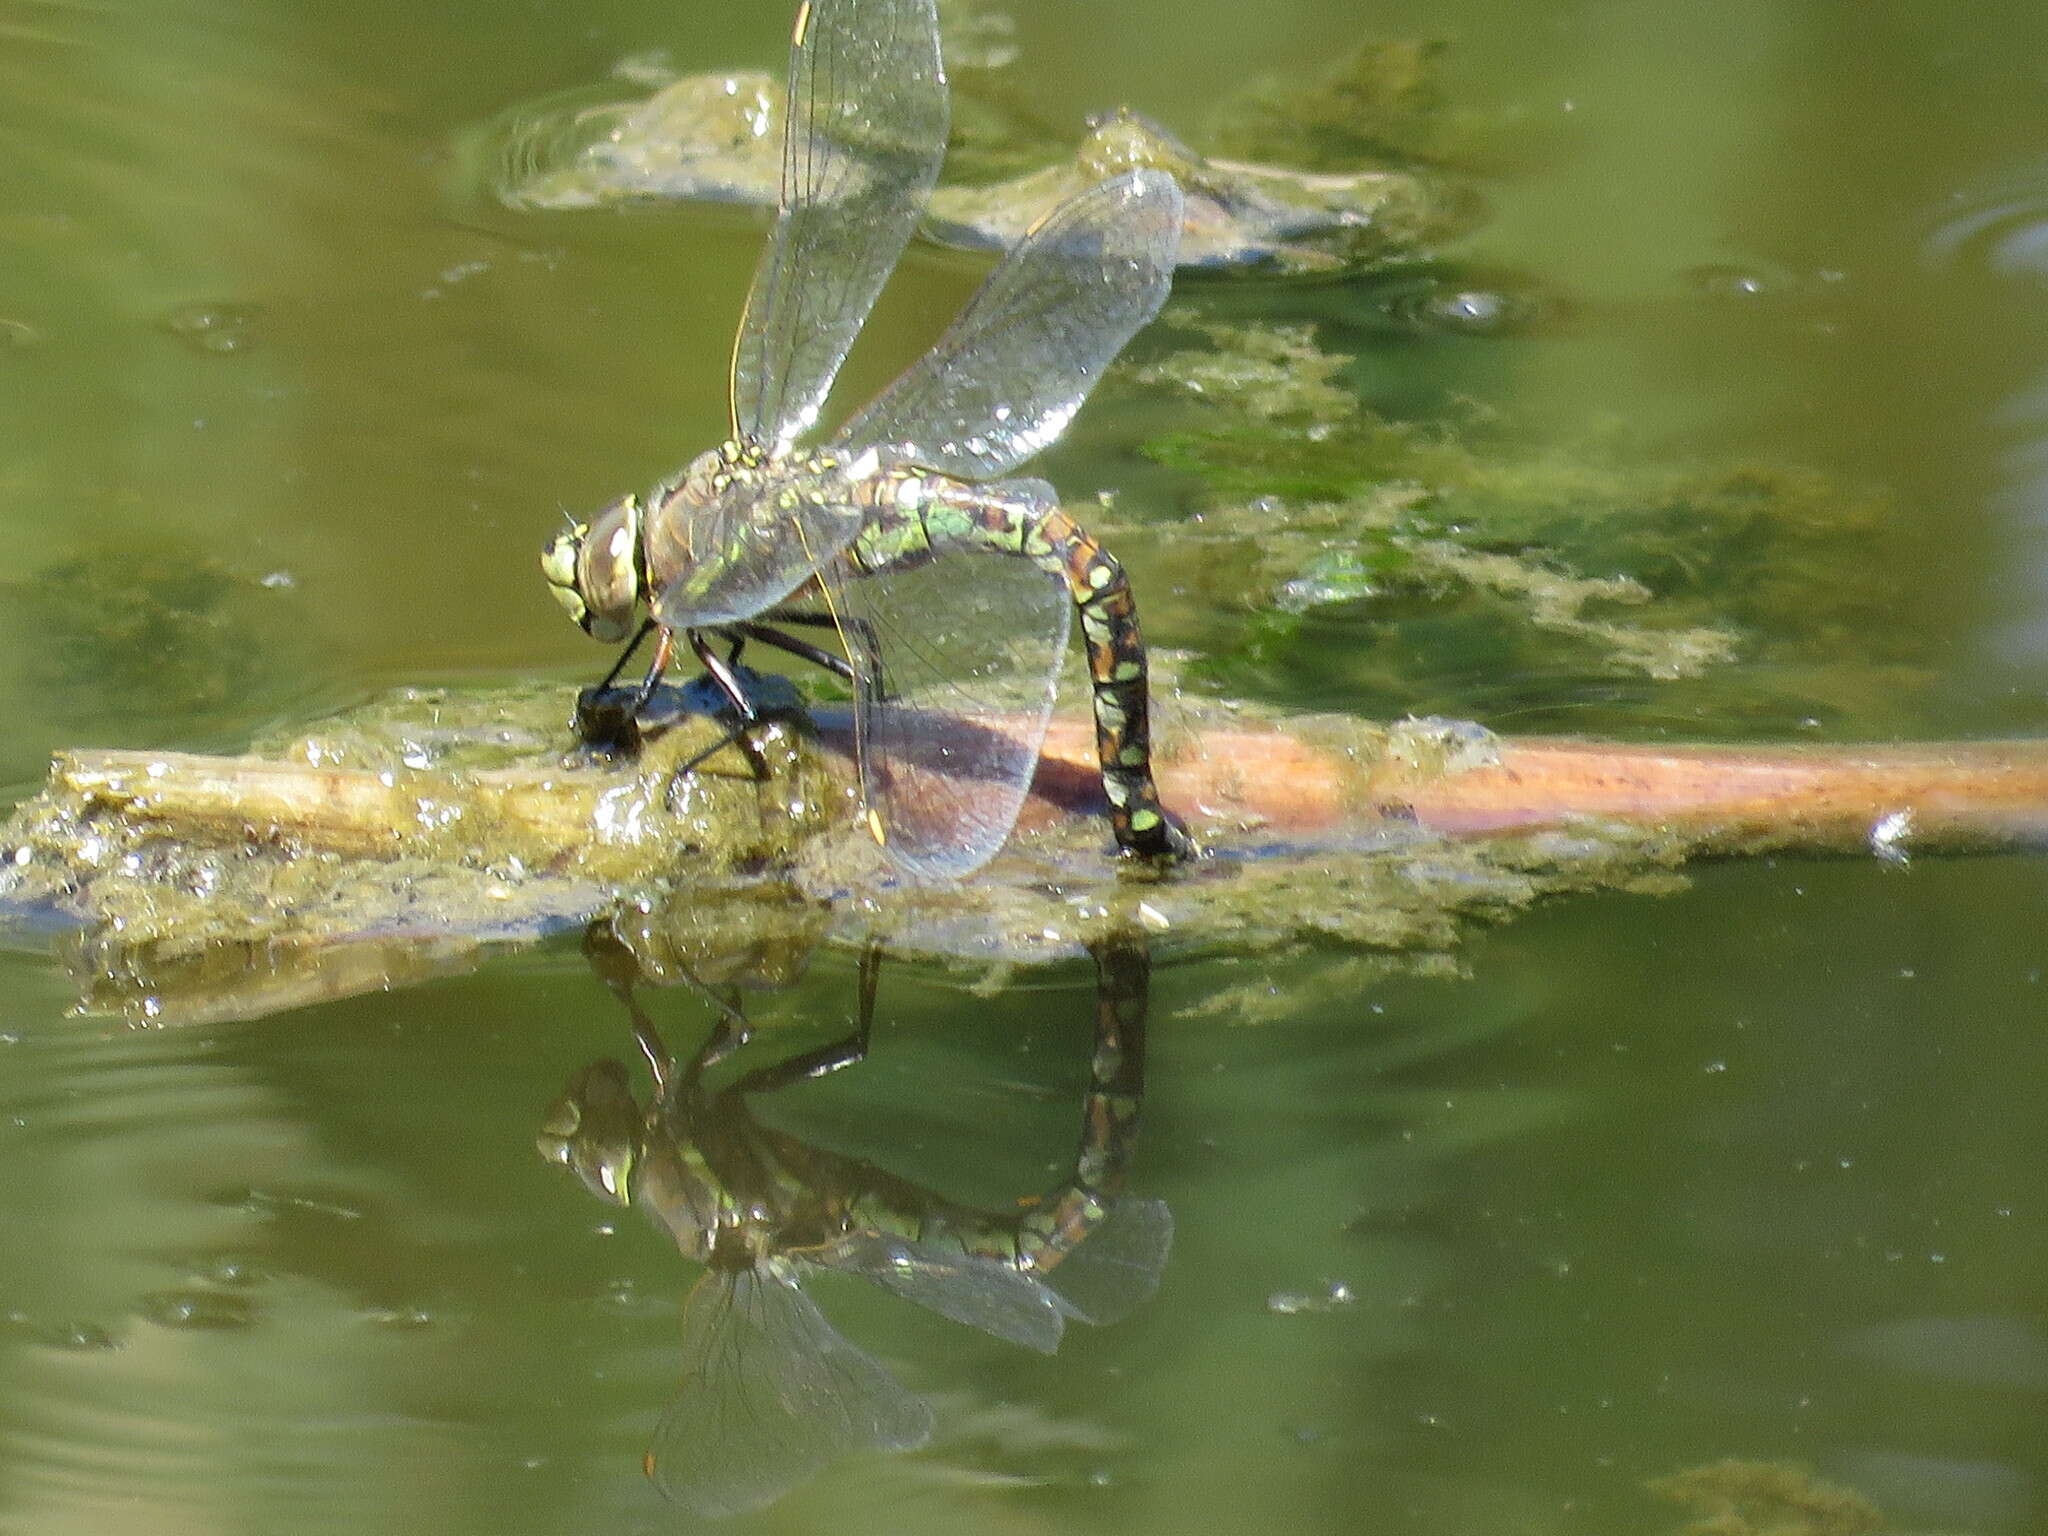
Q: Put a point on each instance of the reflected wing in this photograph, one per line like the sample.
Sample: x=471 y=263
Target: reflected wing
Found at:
x=1116 y=1267
x=1009 y=375
x=988 y=1294
x=861 y=148
x=970 y=645
x=771 y=1394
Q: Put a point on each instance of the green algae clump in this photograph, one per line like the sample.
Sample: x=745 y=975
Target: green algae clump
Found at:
x=1476 y=573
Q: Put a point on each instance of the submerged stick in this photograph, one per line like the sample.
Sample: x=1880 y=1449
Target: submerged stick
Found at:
x=398 y=841
x=1717 y=799
x=1323 y=780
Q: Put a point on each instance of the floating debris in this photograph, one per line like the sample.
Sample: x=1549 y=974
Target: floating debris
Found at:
x=1767 y=1498
x=717 y=138
x=1239 y=216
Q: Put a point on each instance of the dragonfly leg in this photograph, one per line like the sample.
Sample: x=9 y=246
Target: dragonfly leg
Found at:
x=826 y=1059
x=853 y=630
x=664 y=648
x=821 y=1062
x=725 y=1037
x=728 y=682
x=618 y=967
x=803 y=650
x=724 y=676
x=632 y=645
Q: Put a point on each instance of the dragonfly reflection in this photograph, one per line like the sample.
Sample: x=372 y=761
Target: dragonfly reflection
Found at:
x=771 y=1392
x=951 y=654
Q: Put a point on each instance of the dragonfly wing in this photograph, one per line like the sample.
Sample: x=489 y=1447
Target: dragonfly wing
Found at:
x=861 y=148
x=1116 y=1267
x=1010 y=373
x=982 y=1293
x=743 y=559
x=970 y=645
x=771 y=1394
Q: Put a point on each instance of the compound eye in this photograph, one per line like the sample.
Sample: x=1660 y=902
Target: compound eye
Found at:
x=558 y=560
x=608 y=572
x=594 y=570
x=572 y=604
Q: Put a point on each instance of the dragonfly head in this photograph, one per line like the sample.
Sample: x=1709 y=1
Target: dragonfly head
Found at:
x=593 y=1130
x=627 y=1155
x=594 y=570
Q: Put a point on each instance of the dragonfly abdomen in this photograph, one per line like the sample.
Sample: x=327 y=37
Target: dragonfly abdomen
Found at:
x=1024 y=518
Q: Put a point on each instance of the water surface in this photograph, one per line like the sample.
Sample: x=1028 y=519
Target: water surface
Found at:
x=1748 y=1172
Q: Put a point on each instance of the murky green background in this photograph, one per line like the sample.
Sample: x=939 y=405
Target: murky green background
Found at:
x=1753 y=1171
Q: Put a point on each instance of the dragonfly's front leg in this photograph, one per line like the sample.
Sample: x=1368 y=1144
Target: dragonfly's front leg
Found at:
x=607 y=717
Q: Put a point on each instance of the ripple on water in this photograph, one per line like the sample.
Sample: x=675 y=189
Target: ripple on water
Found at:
x=1451 y=301
x=198 y=1307
x=218 y=328
x=525 y=149
x=137 y=1352
x=704 y=138
x=1997 y=225
x=172 y=1423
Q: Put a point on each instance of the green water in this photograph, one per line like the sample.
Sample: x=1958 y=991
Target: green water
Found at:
x=1752 y=1171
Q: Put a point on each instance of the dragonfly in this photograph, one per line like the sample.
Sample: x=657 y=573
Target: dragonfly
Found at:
x=771 y=1391
x=893 y=534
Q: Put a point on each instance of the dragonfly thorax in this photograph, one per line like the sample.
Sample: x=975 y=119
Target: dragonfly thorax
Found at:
x=741 y=528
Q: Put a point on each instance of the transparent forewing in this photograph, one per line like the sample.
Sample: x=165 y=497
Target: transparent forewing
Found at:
x=1009 y=375
x=982 y=1293
x=771 y=1393
x=1117 y=1266
x=970 y=643
x=743 y=559
x=861 y=148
